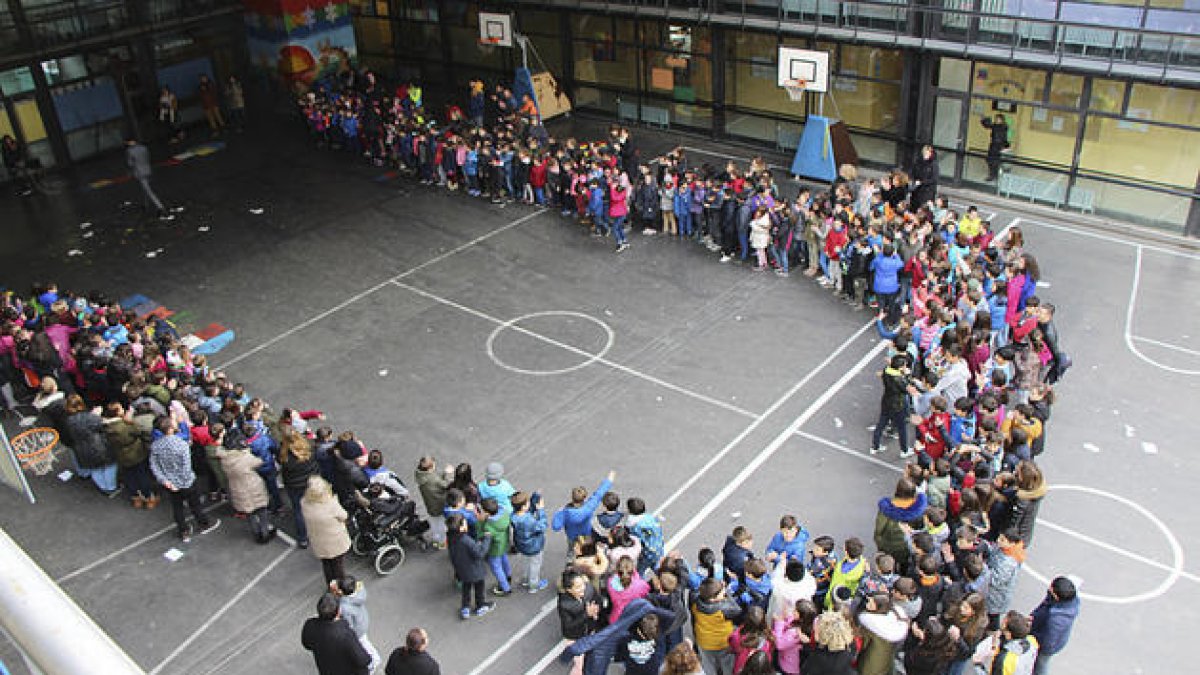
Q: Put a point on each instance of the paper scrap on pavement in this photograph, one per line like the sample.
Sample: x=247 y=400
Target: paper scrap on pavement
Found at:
x=1129 y=431
x=1091 y=446
x=88 y=234
x=84 y=226
x=383 y=372
x=257 y=212
x=837 y=422
x=173 y=554
x=74 y=252
x=1149 y=448
x=203 y=228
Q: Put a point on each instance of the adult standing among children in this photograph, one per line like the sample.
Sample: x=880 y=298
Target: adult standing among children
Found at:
x=413 y=658
x=1052 y=621
x=326 y=522
x=925 y=173
x=93 y=458
x=171 y=464
x=137 y=159
x=334 y=645
x=247 y=493
x=904 y=506
x=296 y=465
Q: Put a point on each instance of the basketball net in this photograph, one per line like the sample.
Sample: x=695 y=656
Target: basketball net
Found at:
x=795 y=89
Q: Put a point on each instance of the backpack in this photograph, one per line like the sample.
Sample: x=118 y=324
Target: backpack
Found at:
x=261 y=527
x=649 y=532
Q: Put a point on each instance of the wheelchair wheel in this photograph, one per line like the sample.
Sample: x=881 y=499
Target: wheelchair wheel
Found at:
x=362 y=543
x=389 y=558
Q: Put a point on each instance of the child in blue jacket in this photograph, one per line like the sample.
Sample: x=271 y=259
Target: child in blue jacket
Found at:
x=683 y=208
x=791 y=539
x=575 y=519
x=529 y=535
x=596 y=207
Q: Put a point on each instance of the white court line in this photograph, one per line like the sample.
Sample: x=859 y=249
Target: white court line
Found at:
x=754 y=465
x=359 y=296
x=1166 y=345
x=124 y=549
x=1129 y=342
x=757 y=420
x=575 y=350
x=221 y=612
x=1041 y=521
x=754 y=425
x=1112 y=239
x=1007 y=228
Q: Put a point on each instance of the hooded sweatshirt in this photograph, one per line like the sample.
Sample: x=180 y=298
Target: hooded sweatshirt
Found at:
x=354 y=610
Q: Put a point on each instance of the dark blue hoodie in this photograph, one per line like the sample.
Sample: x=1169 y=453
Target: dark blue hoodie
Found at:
x=1052 y=623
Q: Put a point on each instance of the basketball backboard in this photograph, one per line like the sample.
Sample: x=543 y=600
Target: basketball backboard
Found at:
x=495 y=29
x=804 y=64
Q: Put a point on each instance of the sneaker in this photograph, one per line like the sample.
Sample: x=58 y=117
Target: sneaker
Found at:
x=649 y=231
x=166 y=217
x=496 y=590
x=186 y=535
x=725 y=258
x=874 y=450
x=464 y=613
x=907 y=453
x=302 y=544
x=485 y=608
x=205 y=529
x=539 y=586
x=622 y=247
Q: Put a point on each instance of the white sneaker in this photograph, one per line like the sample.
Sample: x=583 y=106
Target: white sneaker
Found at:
x=725 y=258
x=874 y=451
x=907 y=453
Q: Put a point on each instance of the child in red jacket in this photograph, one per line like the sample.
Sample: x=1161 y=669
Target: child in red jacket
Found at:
x=933 y=432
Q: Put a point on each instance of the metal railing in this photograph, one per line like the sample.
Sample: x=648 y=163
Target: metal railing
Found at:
x=53 y=634
x=1120 y=40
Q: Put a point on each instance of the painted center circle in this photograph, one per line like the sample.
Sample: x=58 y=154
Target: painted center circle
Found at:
x=543 y=330
x=1174 y=568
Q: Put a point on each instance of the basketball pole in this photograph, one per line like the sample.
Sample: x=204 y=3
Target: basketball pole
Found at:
x=12 y=456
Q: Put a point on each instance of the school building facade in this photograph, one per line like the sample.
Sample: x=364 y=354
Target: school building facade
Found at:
x=1102 y=97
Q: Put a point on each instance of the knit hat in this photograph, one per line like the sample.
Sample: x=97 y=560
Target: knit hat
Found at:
x=495 y=471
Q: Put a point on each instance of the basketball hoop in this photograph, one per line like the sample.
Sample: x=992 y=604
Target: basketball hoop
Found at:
x=795 y=89
x=34 y=448
x=489 y=41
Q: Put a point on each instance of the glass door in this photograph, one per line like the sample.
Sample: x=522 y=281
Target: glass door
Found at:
x=17 y=90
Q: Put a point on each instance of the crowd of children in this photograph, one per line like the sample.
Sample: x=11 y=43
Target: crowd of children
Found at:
x=934 y=599
x=973 y=356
